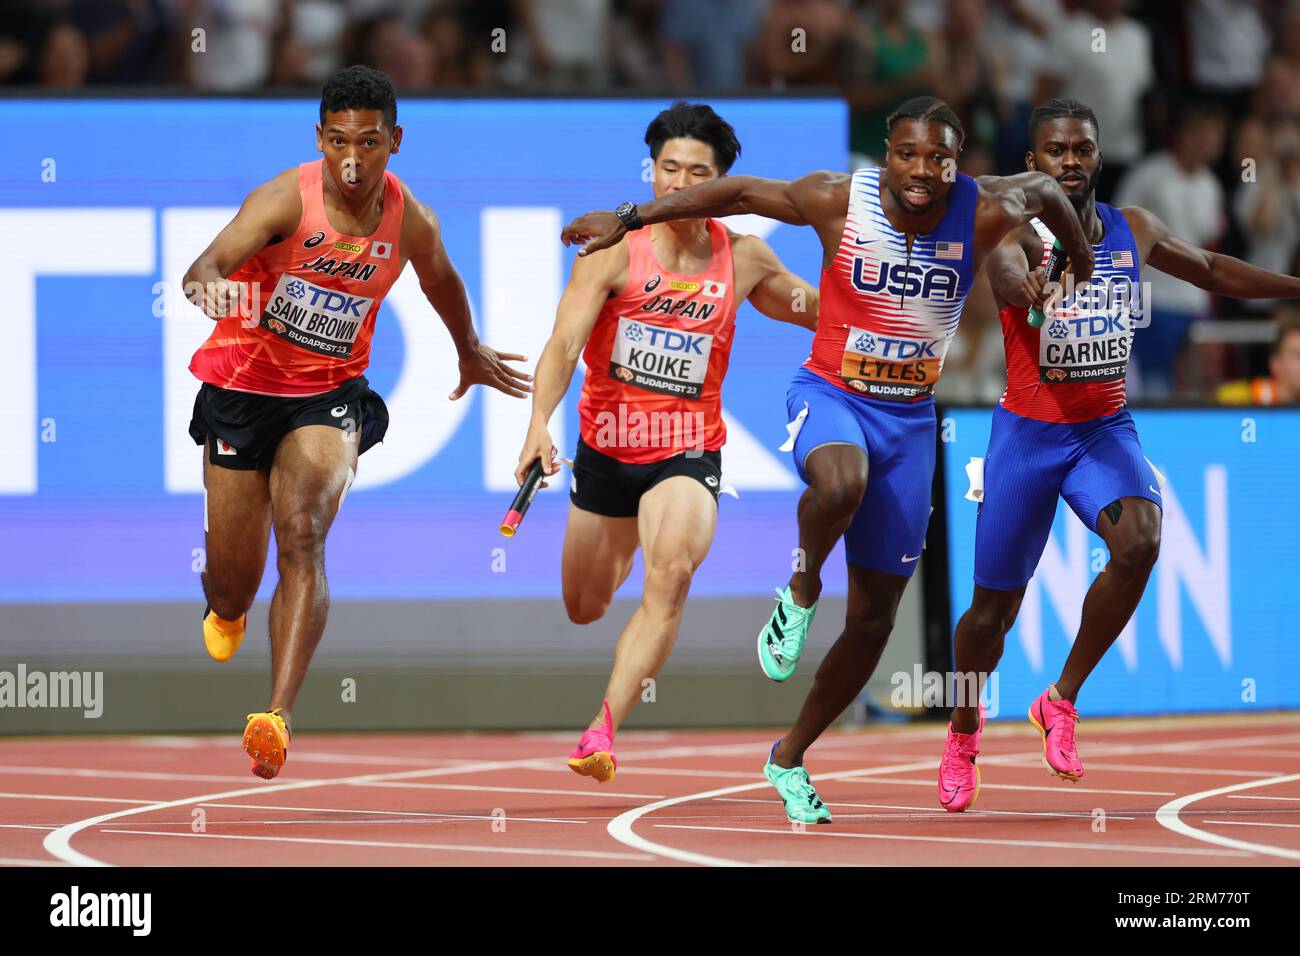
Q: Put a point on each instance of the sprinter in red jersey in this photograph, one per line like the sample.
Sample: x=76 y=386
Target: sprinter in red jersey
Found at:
x=1063 y=430
x=294 y=283
x=653 y=318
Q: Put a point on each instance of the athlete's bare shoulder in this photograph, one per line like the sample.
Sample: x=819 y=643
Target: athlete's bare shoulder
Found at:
x=276 y=204
x=421 y=230
x=605 y=269
x=1148 y=230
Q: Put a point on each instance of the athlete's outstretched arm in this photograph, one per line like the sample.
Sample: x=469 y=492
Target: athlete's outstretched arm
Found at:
x=592 y=282
x=780 y=294
x=1212 y=271
x=271 y=210
x=1010 y=201
x=798 y=203
x=442 y=286
x=1010 y=276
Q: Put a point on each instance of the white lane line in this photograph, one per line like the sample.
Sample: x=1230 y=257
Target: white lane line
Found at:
x=12 y=861
x=1243 y=796
x=59 y=796
x=537 y=790
x=382 y=813
x=444 y=847
x=932 y=811
x=621 y=827
x=118 y=774
x=1062 y=787
x=1253 y=823
x=59 y=843
x=807 y=863
x=1167 y=816
x=1180 y=771
x=27 y=826
x=913 y=838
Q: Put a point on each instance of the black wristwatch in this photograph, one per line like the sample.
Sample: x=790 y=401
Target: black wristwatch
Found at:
x=627 y=213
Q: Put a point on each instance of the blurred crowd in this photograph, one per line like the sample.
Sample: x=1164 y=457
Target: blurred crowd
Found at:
x=1199 y=101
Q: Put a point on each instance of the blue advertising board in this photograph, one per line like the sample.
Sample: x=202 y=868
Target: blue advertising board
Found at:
x=1216 y=628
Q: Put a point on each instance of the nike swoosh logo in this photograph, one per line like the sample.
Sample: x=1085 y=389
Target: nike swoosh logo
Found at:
x=1153 y=490
x=862 y=242
x=907 y=560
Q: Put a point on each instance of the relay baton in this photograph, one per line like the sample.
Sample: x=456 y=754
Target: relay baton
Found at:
x=519 y=507
x=1055 y=269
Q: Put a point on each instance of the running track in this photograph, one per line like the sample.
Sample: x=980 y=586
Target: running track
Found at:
x=1207 y=791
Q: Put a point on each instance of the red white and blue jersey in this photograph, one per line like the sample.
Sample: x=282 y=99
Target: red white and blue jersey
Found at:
x=888 y=312
x=1072 y=369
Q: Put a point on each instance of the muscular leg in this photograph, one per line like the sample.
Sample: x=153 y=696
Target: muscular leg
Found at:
x=676 y=521
x=598 y=553
x=873 y=602
x=837 y=480
x=978 y=645
x=1134 y=543
x=308 y=476
x=238 y=529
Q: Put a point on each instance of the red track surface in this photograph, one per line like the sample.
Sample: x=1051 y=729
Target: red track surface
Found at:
x=683 y=797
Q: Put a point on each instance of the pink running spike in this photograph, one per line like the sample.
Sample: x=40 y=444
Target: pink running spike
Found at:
x=1055 y=722
x=959 y=778
x=594 y=755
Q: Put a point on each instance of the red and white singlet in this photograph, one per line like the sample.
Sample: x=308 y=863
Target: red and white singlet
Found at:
x=313 y=298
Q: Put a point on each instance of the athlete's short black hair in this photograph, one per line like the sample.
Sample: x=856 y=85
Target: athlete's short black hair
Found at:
x=694 y=121
x=927 y=108
x=359 y=88
x=1062 y=108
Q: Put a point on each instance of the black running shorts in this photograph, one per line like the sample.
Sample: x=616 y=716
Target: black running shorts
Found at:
x=609 y=487
x=246 y=429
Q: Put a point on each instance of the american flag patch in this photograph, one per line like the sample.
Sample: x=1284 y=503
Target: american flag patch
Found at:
x=1121 y=260
x=948 y=250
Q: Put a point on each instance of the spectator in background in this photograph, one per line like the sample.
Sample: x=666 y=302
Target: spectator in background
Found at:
x=314 y=30
x=238 y=37
x=1228 y=40
x=638 y=58
x=65 y=57
x=1282 y=385
x=891 y=63
x=1180 y=187
x=133 y=41
x=1287 y=38
x=966 y=70
x=1020 y=30
x=705 y=41
x=807 y=43
x=567 y=41
x=1103 y=57
x=1277 y=97
x=385 y=43
x=1268 y=208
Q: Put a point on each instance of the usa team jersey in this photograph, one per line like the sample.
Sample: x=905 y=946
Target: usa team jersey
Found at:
x=887 y=312
x=313 y=298
x=1072 y=369
x=657 y=356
